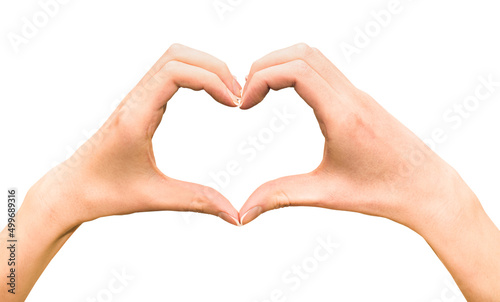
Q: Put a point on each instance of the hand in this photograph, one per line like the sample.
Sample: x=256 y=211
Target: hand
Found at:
x=115 y=172
x=374 y=165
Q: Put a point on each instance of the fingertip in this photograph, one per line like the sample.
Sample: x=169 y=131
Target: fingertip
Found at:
x=244 y=103
x=230 y=219
x=243 y=107
x=253 y=94
x=223 y=208
x=234 y=101
x=250 y=215
x=236 y=87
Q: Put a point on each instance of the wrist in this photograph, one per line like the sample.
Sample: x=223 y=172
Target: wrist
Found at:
x=432 y=197
x=50 y=200
x=450 y=207
x=466 y=240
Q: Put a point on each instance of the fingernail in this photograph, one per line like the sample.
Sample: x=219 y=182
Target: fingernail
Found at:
x=241 y=101
x=246 y=78
x=251 y=215
x=228 y=218
x=236 y=87
x=236 y=100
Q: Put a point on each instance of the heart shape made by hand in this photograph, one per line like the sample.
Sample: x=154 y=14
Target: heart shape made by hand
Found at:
x=371 y=164
x=368 y=165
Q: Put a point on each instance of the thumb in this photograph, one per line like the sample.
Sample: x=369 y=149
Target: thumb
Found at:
x=298 y=190
x=170 y=194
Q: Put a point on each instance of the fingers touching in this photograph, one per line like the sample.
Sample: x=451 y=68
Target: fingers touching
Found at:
x=305 y=69
x=184 y=67
x=184 y=54
x=175 y=75
x=298 y=190
x=323 y=87
x=300 y=64
x=298 y=74
x=312 y=56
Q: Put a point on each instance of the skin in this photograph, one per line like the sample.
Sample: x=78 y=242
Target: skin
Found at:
x=114 y=173
x=374 y=165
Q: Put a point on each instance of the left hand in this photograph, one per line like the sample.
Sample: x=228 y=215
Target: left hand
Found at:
x=115 y=173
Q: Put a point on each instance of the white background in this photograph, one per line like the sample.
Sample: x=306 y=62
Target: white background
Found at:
x=64 y=82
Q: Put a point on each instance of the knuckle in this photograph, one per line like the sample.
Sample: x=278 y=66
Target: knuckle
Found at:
x=277 y=196
x=223 y=67
x=202 y=199
x=222 y=70
x=254 y=68
x=301 y=68
x=361 y=95
x=259 y=76
x=197 y=204
x=351 y=119
x=168 y=71
x=358 y=127
x=174 y=48
x=171 y=66
x=281 y=200
x=303 y=49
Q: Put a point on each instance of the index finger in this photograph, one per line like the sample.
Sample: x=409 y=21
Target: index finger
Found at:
x=197 y=58
x=312 y=56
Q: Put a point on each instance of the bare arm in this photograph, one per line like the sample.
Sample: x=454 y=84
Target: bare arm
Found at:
x=115 y=173
x=374 y=165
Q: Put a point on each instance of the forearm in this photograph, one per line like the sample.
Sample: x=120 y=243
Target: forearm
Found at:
x=39 y=238
x=468 y=243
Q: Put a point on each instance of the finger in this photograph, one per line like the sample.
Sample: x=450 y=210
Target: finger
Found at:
x=316 y=60
x=299 y=190
x=298 y=74
x=183 y=75
x=165 y=84
x=168 y=194
x=198 y=58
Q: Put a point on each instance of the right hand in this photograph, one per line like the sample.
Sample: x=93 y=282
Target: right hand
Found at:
x=372 y=164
